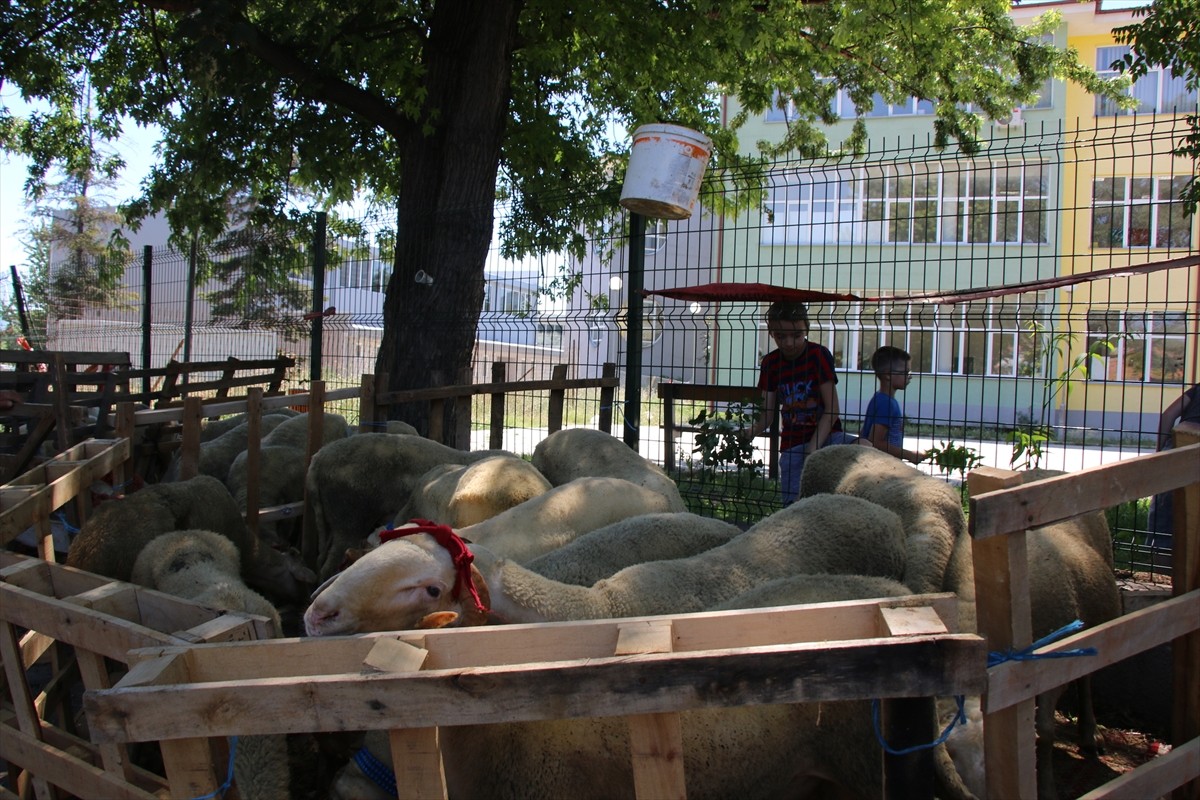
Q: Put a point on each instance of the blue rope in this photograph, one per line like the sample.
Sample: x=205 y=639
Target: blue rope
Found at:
x=68 y=527
x=224 y=787
x=960 y=718
x=377 y=771
x=1026 y=654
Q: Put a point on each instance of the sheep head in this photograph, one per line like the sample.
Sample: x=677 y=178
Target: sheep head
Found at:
x=404 y=584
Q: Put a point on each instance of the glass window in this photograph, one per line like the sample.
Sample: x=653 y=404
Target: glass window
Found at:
x=1139 y=212
x=1158 y=91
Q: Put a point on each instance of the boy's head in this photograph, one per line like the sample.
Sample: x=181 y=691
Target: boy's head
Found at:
x=891 y=363
x=787 y=323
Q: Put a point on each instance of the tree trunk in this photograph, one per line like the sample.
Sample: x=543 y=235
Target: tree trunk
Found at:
x=447 y=193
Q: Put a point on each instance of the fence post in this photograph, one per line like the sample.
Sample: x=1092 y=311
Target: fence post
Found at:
x=632 y=415
x=1003 y=619
x=462 y=409
x=608 y=395
x=318 y=299
x=496 y=421
x=147 y=317
x=1185 y=577
x=254 y=398
x=558 y=399
x=366 y=403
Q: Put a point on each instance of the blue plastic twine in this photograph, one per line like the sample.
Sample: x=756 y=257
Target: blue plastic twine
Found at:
x=1026 y=654
x=960 y=717
x=224 y=787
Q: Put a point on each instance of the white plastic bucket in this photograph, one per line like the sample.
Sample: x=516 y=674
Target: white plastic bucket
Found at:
x=666 y=164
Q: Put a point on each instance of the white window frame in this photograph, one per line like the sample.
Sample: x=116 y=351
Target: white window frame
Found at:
x=1148 y=203
x=1154 y=90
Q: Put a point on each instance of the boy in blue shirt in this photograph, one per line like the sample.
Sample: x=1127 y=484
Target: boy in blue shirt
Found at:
x=883 y=424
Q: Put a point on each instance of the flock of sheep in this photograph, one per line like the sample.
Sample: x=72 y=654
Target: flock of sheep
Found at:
x=586 y=529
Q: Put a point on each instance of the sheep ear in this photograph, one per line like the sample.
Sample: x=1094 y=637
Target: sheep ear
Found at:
x=471 y=614
x=438 y=619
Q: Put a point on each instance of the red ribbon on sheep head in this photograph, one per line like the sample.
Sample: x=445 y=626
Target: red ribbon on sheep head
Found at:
x=465 y=573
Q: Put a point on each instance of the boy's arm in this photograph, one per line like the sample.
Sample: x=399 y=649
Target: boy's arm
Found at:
x=829 y=400
x=878 y=439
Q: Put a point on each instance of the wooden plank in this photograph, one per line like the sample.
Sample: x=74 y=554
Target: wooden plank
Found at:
x=558 y=400
x=636 y=684
x=1002 y=608
x=67 y=771
x=911 y=621
x=189 y=449
x=392 y=655
x=1185 y=578
x=655 y=740
x=67 y=622
x=191 y=767
x=469 y=389
x=1092 y=489
x=608 y=393
x=496 y=412
x=417 y=754
x=1115 y=641
x=1154 y=778
x=253 y=458
x=452 y=648
x=27 y=716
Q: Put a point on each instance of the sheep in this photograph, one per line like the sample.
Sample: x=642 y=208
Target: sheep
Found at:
x=218 y=427
x=280 y=480
x=577 y=452
x=217 y=453
x=1070 y=567
x=395 y=586
x=551 y=520
x=646 y=537
x=459 y=495
x=110 y=540
x=294 y=432
x=930 y=510
x=356 y=484
x=204 y=567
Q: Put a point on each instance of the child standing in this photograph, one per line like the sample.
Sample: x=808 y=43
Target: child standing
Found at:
x=797 y=378
x=883 y=424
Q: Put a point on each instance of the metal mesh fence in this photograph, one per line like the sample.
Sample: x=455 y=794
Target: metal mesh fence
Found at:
x=1061 y=378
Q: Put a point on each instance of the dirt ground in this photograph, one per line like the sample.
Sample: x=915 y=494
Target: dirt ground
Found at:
x=1124 y=750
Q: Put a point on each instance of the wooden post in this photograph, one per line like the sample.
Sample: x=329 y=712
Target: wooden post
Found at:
x=1002 y=610
x=26 y=714
x=366 y=404
x=254 y=398
x=558 y=399
x=608 y=395
x=316 y=421
x=667 y=392
x=462 y=410
x=496 y=421
x=189 y=448
x=655 y=740
x=1185 y=577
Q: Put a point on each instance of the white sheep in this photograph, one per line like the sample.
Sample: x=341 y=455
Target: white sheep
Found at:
x=109 y=541
x=397 y=585
x=281 y=473
x=930 y=510
x=205 y=567
x=1070 y=571
x=573 y=453
x=646 y=537
x=294 y=432
x=356 y=484
x=459 y=495
x=218 y=452
x=557 y=517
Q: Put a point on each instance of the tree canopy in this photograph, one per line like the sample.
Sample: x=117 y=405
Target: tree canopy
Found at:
x=437 y=106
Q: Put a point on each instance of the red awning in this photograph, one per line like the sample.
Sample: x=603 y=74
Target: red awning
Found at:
x=768 y=293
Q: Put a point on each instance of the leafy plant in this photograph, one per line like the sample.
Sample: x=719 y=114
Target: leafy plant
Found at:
x=951 y=457
x=720 y=441
x=1029 y=441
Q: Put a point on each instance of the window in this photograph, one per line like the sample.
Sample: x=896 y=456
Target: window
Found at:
x=1142 y=346
x=656 y=236
x=369 y=273
x=1139 y=212
x=971 y=202
x=1002 y=337
x=1158 y=91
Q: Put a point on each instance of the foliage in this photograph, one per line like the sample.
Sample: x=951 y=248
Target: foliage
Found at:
x=1029 y=442
x=720 y=440
x=437 y=107
x=1167 y=37
x=951 y=457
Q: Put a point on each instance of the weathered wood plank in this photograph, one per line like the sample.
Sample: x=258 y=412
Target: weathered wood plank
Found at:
x=636 y=684
x=1154 y=778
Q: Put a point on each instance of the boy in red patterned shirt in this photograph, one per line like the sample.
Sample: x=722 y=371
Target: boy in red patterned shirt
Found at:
x=797 y=378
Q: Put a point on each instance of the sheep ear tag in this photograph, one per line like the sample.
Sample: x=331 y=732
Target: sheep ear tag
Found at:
x=472 y=614
x=438 y=619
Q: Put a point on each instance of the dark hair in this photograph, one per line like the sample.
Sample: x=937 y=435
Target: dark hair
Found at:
x=787 y=311
x=883 y=358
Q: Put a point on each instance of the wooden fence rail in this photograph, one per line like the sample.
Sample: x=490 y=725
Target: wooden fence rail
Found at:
x=1002 y=510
